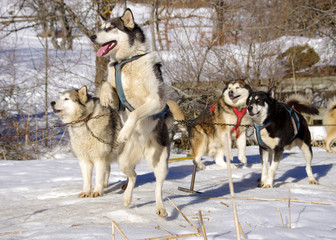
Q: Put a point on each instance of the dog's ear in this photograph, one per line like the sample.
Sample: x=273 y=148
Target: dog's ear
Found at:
x=128 y=18
x=83 y=95
x=271 y=92
x=102 y=19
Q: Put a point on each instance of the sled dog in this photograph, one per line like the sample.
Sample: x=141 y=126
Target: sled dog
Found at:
x=135 y=87
x=93 y=139
x=330 y=121
x=280 y=126
x=210 y=133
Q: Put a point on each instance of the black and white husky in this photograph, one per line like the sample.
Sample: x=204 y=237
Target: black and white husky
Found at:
x=135 y=87
x=280 y=126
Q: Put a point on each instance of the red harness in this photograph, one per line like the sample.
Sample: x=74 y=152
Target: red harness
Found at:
x=239 y=115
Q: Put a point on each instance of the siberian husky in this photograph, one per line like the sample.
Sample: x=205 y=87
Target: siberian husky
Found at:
x=280 y=126
x=330 y=121
x=210 y=133
x=93 y=140
x=135 y=87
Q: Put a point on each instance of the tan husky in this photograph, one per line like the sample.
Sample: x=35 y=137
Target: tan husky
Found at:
x=135 y=87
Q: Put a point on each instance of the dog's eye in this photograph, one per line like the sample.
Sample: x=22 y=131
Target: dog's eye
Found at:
x=258 y=101
x=109 y=28
x=66 y=99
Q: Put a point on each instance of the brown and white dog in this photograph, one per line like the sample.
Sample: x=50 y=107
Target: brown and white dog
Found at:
x=212 y=131
x=330 y=121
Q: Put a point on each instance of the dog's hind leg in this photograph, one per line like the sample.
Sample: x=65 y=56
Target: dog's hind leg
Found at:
x=128 y=168
x=308 y=155
x=86 y=167
x=198 y=147
x=327 y=142
x=160 y=172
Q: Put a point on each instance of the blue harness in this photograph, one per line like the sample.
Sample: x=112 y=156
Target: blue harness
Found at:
x=296 y=125
x=121 y=95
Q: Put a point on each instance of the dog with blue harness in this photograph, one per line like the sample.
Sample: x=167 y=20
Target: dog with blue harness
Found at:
x=135 y=87
x=280 y=126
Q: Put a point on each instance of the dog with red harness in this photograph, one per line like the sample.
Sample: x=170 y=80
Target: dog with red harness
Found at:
x=213 y=130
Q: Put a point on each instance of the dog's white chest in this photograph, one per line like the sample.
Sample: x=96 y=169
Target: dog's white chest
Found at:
x=267 y=140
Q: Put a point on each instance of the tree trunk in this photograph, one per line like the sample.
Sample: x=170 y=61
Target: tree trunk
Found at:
x=101 y=70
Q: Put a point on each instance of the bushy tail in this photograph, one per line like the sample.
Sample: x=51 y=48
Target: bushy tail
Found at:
x=177 y=114
x=302 y=105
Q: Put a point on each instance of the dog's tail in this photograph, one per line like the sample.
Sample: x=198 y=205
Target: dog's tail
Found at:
x=302 y=105
x=177 y=114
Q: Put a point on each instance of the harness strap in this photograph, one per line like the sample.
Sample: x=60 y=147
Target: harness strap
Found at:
x=212 y=108
x=239 y=115
x=296 y=125
x=121 y=95
x=258 y=129
x=122 y=99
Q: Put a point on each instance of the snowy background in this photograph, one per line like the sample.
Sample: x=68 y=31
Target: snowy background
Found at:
x=38 y=198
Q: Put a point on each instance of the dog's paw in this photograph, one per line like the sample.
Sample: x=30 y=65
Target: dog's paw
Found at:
x=96 y=194
x=105 y=99
x=123 y=135
x=314 y=182
x=161 y=212
x=200 y=166
x=267 y=186
x=106 y=94
x=84 y=195
x=242 y=159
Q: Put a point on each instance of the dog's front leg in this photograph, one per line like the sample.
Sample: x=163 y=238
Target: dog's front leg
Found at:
x=100 y=167
x=149 y=108
x=241 y=144
x=264 y=166
x=108 y=96
x=86 y=167
x=276 y=157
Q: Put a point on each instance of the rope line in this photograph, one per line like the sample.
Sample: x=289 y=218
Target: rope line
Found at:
x=85 y=120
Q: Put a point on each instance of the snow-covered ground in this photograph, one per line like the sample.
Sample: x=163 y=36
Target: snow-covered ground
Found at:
x=38 y=200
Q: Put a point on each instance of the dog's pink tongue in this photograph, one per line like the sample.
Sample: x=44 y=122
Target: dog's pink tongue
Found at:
x=101 y=51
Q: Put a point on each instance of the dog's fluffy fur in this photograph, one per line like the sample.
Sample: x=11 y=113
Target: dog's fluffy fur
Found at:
x=330 y=121
x=209 y=132
x=88 y=137
x=144 y=137
x=278 y=132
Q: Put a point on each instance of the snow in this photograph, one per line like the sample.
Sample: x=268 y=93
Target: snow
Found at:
x=38 y=200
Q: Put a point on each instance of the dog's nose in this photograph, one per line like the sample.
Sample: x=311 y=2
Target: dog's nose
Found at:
x=93 y=38
x=53 y=103
x=250 y=108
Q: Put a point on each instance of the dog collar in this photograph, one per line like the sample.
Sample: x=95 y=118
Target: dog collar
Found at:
x=121 y=95
x=239 y=115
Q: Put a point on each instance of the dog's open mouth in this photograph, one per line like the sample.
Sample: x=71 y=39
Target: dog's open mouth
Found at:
x=253 y=114
x=57 y=111
x=103 y=50
x=233 y=97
